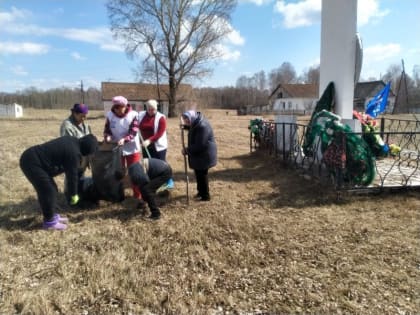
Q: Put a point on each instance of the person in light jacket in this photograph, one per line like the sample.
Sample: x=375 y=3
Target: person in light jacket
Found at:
x=152 y=125
x=76 y=126
x=121 y=127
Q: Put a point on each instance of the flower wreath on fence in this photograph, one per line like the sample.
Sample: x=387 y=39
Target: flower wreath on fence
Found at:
x=341 y=148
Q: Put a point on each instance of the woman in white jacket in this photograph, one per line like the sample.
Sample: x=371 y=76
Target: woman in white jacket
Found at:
x=121 y=127
x=152 y=125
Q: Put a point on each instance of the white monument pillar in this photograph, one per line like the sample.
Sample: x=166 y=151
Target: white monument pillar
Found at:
x=338 y=52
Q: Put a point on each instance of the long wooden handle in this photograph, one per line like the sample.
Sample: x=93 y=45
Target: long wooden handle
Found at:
x=185 y=161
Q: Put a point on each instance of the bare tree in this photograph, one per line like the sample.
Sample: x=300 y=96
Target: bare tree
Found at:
x=242 y=82
x=175 y=39
x=261 y=80
x=393 y=74
x=286 y=73
x=311 y=75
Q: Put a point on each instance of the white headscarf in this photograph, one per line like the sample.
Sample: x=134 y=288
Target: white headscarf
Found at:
x=191 y=115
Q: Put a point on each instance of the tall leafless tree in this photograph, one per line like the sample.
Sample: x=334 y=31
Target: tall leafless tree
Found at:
x=311 y=75
x=261 y=80
x=175 y=39
x=286 y=73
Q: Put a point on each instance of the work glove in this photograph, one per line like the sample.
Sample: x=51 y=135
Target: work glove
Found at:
x=146 y=143
x=121 y=142
x=74 y=200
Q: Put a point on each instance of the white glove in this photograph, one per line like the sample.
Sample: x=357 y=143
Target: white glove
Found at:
x=146 y=143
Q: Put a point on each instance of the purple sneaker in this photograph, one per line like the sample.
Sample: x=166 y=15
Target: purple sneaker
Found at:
x=54 y=224
x=60 y=219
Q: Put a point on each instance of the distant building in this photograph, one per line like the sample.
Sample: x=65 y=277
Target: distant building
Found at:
x=11 y=110
x=365 y=91
x=138 y=93
x=294 y=98
x=302 y=98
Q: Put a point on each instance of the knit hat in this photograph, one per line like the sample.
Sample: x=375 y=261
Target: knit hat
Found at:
x=152 y=103
x=80 y=108
x=119 y=101
x=88 y=144
x=191 y=115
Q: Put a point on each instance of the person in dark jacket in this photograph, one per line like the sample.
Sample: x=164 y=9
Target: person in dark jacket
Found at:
x=148 y=175
x=201 y=150
x=41 y=163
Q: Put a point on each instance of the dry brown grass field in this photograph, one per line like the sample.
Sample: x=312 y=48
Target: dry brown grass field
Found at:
x=269 y=241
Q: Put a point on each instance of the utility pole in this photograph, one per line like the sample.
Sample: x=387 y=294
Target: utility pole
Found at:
x=82 y=93
x=403 y=80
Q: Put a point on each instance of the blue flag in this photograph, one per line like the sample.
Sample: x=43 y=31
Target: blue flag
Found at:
x=378 y=104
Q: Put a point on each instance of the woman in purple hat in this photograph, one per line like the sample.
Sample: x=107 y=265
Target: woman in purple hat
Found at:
x=75 y=124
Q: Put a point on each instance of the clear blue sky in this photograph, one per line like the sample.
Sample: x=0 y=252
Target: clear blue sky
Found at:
x=54 y=43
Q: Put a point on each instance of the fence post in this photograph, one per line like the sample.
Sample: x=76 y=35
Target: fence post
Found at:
x=250 y=142
x=275 y=139
x=382 y=127
x=284 y=142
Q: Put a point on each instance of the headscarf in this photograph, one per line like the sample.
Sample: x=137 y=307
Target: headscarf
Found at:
x=152 y=103
x=119 y=101
x=191 y=115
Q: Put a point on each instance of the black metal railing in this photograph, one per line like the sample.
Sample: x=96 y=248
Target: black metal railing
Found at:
x=397 y=169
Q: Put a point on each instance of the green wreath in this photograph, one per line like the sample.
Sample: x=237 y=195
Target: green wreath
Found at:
x=359 y=161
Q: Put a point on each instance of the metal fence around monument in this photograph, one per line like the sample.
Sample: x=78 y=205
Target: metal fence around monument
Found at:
x=285 y=141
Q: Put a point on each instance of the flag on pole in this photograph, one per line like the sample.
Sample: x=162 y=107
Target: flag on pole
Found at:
x=378 y=104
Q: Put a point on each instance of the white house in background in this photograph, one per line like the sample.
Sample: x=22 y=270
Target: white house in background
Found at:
x=11 y=110
x=302 y=98
x=294 y=98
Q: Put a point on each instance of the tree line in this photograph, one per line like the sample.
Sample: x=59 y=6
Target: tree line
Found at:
x=56 y=98
x=173 y=42
x=249 y=90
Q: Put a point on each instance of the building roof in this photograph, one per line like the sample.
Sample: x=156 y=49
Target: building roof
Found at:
x=298 y=90
x=143 y=91
x=364 y=90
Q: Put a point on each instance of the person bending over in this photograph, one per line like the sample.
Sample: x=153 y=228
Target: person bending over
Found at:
x=41 y=163
x=148 y=175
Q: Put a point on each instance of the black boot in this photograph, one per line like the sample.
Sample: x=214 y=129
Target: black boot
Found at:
x=155 y=214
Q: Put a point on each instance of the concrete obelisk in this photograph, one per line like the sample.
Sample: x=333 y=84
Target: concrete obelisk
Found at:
x=338 y=53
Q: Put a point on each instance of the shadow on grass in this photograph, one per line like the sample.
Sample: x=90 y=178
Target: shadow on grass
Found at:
x=27 y=216
x=290 y=188
x=20 y=216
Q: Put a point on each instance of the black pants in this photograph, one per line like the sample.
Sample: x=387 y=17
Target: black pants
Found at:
x=148 y=191
x=161 y=155
x=44 y=184
x=202 y=183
